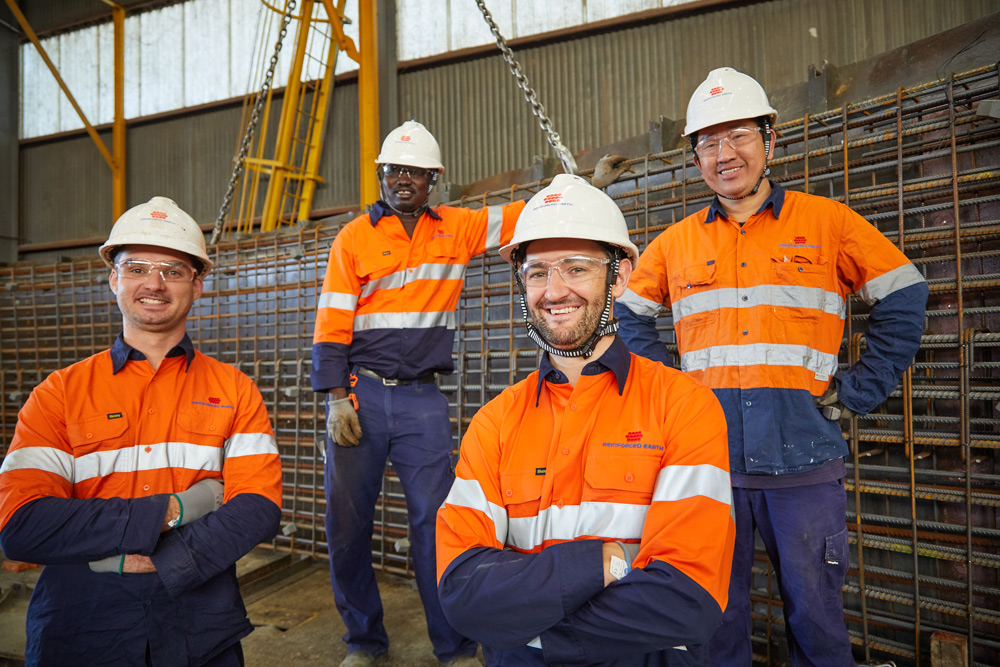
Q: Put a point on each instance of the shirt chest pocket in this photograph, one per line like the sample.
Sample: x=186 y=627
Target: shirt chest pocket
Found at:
x=521 y=493
x=209 y=427
x=377 y=264
x=443 y=248
x=98 y=433
x=798 y=288
x=624 y=478
x=102 y=446
x=695 y=296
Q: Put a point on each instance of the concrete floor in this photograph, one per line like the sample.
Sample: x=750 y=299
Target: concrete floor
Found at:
x=290 y=603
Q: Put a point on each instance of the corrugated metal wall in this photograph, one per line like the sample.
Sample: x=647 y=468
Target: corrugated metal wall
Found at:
x=597 y=89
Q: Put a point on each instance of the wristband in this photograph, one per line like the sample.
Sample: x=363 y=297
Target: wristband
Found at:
x=619 y=568
x=180 y=512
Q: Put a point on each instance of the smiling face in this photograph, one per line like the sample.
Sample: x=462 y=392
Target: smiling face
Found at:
x=733 y=172
x=150 y=304
x=405 y=191
x=567 y=314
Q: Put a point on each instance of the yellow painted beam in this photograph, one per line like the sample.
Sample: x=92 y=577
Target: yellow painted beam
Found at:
x=368 y=101
x=118 y=175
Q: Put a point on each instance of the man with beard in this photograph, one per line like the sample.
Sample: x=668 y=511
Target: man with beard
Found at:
x=139 y=476
x=384 y=330
x=758 y=284
x=590 y=519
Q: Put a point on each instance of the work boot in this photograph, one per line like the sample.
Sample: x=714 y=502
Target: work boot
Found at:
x=358 y=659
x=464 y=661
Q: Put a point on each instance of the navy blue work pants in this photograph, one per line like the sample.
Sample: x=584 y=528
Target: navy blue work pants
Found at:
x=804 y=532
x=408 y=425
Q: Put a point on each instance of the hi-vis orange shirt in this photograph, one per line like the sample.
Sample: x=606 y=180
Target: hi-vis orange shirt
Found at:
x=635 y=452
x=388 y=300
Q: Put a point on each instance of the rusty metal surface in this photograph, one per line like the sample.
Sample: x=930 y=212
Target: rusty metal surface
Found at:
x=923 y=484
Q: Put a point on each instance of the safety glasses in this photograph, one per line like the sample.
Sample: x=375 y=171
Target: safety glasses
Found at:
x=140 y=269
x=397 y=170
x=575 y=269
x=739 y=137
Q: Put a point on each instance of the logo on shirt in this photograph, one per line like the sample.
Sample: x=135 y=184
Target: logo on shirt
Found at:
x=539 y=471
x=800 y=239
x=114 y=415
x=797 y=242
x=386 y=253
x=442 y=235
x=213 y=402
x=633 y=436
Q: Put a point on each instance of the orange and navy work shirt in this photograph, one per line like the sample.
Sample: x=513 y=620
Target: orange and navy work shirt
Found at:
x=388 y=301
x=759 y=310
x=549 y=472
x=98 y=448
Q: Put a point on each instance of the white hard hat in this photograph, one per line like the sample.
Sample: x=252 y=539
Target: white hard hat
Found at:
x=158 y=222
x=571 y=208
x=726 y=95
x=411 y=145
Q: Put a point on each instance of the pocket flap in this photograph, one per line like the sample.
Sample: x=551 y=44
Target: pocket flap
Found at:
x=207 y=421
x=377 y=262
x=623 y=473
x=98 y=428
x=702 y=273
x=520 y=487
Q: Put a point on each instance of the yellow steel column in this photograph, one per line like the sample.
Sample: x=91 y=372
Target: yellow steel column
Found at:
x=118 y=128
x=368 y=109
x=286 y=125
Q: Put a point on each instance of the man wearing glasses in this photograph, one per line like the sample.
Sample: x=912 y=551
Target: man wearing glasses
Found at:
x=590 y=521
x=139 y=476
x=385 y=324
x=758 y=284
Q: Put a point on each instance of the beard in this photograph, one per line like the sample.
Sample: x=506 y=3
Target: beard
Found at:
x=566 y=337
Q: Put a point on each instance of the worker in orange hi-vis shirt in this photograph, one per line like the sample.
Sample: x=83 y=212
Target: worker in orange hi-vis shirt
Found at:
x=385 y=325
x=139 y=476
x=757 y=284
x=590 y=521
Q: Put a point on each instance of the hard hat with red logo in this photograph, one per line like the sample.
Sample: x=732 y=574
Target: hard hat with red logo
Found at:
x=572 y=208
x=726 y=95
x=159 y=222
x=411 y=145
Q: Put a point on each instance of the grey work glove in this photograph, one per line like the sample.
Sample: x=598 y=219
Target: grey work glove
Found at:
x=631 y=551
x=608 y=169
x=200 y=499
x=830 y=405
x=342 y=423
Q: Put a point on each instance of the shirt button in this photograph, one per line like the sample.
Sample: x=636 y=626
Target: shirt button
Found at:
x=573 y=407
x=629 y=477
x=509 y=492
x=748 y=404
x=745 y=332
x=147 y=602
x=559 y=504
x=145 y=487
x=151 y=411
x=565 y=451
x=800 y=269
x=212 y=427
x=743 y=232
x=743 y=264
x=744 y=297
x=90 y=435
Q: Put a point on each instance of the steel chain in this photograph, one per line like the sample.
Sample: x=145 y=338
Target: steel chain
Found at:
x=227 y=201
x=569 y=164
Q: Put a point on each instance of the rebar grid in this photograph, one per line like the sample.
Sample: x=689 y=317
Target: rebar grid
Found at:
x=923 y=484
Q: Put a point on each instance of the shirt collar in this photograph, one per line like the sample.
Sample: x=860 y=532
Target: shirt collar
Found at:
x=775 y=200
x=122 y=352
x=615 y=359
x=380 y=209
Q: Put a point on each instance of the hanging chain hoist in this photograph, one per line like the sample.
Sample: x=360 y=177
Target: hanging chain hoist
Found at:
x=569 y=164
x=227 y=201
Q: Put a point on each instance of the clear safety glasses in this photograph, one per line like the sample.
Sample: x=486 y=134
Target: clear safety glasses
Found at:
x=575 y=269
x=170 y=272
x=397 y=170
x=737 y=138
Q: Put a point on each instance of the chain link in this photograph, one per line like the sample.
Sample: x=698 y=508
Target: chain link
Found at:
x=227 y=201
x=569 y=164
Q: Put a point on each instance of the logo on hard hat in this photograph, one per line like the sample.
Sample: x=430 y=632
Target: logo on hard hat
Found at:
x=159 y=215
x=716 y=90
x=405 y=137
x=553 y=198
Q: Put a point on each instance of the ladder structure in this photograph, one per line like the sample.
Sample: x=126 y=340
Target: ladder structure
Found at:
x=276 y=173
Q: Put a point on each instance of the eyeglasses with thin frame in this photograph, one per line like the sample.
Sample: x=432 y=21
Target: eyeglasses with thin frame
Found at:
x=170 y=272
x=574 y=269
x=739 y=137
x=397 y=170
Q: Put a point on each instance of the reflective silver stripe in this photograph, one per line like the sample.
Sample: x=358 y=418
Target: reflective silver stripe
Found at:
x=423 y=272
x=494 y=226
x=162 y=455
x=338 y=300
x=877 y=289
x=469 y=494
x=48 y=459
x=788 y=296
x=682 y=482
x=759 y=354
x=404 y=320
x=611 y=520
x=640 y=305
x=250 y=444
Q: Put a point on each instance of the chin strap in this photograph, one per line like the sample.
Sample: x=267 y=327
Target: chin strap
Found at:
x=767 y=170
x=607 y=325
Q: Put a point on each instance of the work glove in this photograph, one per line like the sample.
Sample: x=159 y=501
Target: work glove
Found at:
x=608 y=169
x=342 y=423
x=200 y=499
x=830 y=405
